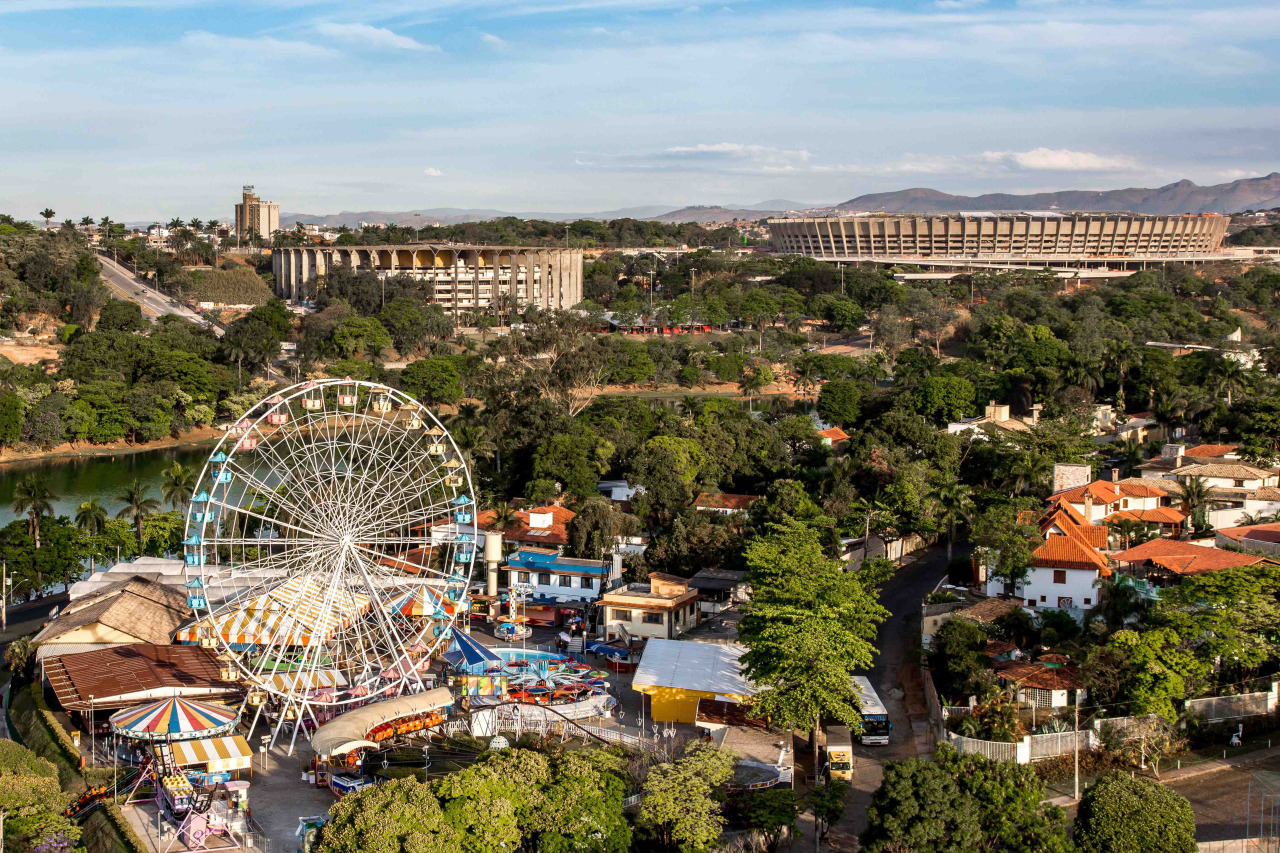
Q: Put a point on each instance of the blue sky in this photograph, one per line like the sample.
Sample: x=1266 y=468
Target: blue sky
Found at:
x=146 y=109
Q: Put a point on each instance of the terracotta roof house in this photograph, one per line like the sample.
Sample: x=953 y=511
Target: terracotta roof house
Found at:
x=995 y=415
x=723 y=504
x=538 y=526
x=1253 y=537
x=1066 y=569
x=833 y=436
x=1096 y=502
x=1044 y=684
x=1164 y=561
x=1213 y=451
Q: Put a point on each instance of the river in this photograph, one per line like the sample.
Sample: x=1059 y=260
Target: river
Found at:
x=74 y=481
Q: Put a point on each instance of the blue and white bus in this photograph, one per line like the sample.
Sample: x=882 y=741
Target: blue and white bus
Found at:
x=875 y=717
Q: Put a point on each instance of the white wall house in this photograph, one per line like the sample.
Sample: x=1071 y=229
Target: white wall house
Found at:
x=1065 y=570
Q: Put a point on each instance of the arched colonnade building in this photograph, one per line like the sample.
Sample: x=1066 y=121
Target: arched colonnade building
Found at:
x=462 y=278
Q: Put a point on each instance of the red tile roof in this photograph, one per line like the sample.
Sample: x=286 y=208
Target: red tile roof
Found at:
x=834 y=434
x=1070 y=551
x=1159 y=515
x=724 y=501
x=1184 y=558
x=995 y=648
x=990 y=609
x=1105 y=492
x=1210 y=451
x=1036 y=674
x=1251 y=531
x=556 y=534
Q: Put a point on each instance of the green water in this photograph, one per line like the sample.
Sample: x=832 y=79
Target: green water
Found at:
x=74 y=481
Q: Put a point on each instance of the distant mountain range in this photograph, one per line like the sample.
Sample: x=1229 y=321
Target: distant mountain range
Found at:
x=1181 y=197
x=455 y=215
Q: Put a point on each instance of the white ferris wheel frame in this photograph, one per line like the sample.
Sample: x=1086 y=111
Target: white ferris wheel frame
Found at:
x=265 y=459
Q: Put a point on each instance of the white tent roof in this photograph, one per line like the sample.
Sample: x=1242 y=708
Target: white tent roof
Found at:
x=348 y=731
x=686 y=665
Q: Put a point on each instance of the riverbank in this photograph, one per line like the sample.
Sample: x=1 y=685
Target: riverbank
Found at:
x=195 y=438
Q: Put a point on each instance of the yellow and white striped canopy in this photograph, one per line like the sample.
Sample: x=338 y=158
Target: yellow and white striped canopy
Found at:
x=292 y=614
x=218 y=753
x=324 y=679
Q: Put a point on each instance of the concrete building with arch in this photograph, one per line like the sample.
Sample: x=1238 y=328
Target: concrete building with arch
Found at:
x=459 y=278
x=978 y=239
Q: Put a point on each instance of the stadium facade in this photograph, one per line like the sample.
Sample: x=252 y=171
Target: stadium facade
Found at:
x=460 y=278
x=1022 y=239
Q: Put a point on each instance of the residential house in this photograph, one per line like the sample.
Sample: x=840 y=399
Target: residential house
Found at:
x=1066 y=569
x=1253 y=537
x=995 y=415
x=538 y=526
x=1052 y=681
x=832 y=436
x=1108 y=501
x=1165 y=562
x=719 y=589
x=559 y=585
x=665 y=607
x=724 y=504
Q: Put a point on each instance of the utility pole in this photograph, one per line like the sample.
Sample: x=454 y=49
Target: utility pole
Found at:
x=1076 y=751
x=4 y=596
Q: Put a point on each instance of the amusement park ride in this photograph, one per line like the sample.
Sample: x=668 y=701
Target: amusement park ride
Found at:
x=329 y=547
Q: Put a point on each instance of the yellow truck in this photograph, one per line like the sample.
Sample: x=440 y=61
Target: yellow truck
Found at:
x=839 y=753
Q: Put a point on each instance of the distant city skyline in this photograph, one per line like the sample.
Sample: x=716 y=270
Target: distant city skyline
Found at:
x=146 y=110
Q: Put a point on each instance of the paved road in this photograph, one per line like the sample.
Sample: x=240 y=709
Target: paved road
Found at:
x=896 y=678
x=1221 y=800
x=123 y=284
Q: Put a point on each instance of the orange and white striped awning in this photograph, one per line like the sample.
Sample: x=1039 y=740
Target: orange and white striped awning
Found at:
x=323 y=679
x=219 y=754
x=292 y=614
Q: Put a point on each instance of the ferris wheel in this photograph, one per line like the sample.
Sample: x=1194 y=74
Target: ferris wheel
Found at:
x=329 y=547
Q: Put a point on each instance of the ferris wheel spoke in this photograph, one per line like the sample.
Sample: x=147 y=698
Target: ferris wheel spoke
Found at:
x=270 y=520
x=263 y=489
x=397 y=647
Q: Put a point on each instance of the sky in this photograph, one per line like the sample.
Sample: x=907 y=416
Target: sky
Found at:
x=149 y=109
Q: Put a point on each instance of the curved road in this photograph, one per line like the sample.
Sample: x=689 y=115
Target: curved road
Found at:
x=124 y=285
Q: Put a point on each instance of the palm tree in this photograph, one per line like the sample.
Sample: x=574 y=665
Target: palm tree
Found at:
x=504 y=517
x=1195 y=495
x=753 y=380
x=85 y=222
x=196 y=224
x=178 y=484
x=1132 y=454
x=1030 y=471
x=806 y=379
x=1117 y=602
x=174 y=224
x=953 y=504
x=137 y=506
x=91 y=517
x=32 y=497
x=1122 y=355
x=48 y=214
x=1229 y=377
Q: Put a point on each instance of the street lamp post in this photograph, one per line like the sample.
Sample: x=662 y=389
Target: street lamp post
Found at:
x=93 y=736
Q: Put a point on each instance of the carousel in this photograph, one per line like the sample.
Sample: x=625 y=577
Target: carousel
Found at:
x=190 y=751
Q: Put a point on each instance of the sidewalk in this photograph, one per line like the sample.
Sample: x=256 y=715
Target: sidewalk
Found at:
x=1204 y=768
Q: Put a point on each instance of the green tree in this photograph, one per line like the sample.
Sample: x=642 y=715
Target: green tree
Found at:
x=1123 y=814
x=956 y=659
x=959 y=803
x=121 y=315
x=1007 y=540
x=952 y=504
x=433 y=381
x=401 y=816
x=808 y=627
x=1194 y=495
x=91 y=517
x=840 y=402
x=138 y=504
x=944 y=399
x=177 y=484
x=32 y=497
x=680 y=802
x=11 y=418
x=32 y=801
x=48 y=213
x=667 y=467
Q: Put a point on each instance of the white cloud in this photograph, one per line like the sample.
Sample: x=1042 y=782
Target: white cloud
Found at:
x=433 y=172
x=958 y=4
x=205 y=44
x=490 y=38
x=764 y=156
x=1061 y=160
x=370 y=36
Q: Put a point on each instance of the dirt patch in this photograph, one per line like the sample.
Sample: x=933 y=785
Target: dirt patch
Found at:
x=28 y=353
